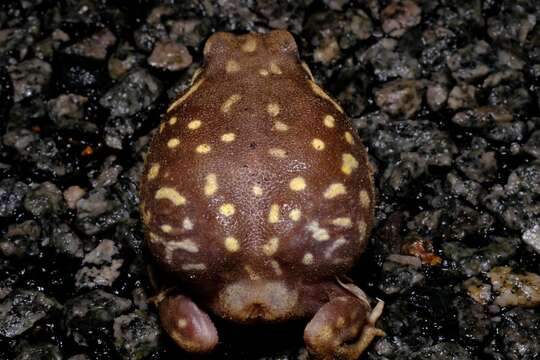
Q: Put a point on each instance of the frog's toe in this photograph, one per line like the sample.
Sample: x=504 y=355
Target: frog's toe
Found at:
x=342 y=329
x=190 y=327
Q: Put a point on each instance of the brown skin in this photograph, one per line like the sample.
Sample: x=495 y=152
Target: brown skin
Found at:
x=256 y=195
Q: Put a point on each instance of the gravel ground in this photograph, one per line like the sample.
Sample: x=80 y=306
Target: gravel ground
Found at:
x=444 y=93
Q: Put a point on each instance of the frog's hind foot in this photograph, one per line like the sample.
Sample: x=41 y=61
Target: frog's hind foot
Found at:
x=189 y=327
x=342 y=329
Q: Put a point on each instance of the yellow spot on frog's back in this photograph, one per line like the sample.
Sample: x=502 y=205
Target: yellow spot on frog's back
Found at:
x=349 y=138
x=364 y=199
x=329 y=121
x=257 y=190
x=317 y=90
x=166 y=228
x=191 y=90
x=173 y=120
x=170 y=194
x=297 y=184
x=273 y=215
x=153 y=172
x=275 y=69
x=349 y=163
x=277 y=152
x=211 y=185
x=232 y=66
x=307 y=259
x=295 y=214
x=250 y=45
x=318 y=144
x=271 y=247
x=228 y=137
x=172 y=143
x=231 y=244
x=362 y=229
x=161 y=127
x=273 y=109
x=342 y=222
x=263 y=72
x=227 y=209
x=226 y=107
x=334 y=190
x=195 y=124
x=280 y=126
x=203 y=149
x=318 y=233
x=182 y=323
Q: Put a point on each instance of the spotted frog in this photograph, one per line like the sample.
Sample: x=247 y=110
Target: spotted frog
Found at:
x=257 y=197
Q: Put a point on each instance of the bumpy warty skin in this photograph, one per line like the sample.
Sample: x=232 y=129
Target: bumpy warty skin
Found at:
x=256 y=175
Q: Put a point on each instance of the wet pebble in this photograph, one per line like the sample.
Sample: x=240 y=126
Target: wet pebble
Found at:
x=170 y=56
x=95 y=47
x=136 y=334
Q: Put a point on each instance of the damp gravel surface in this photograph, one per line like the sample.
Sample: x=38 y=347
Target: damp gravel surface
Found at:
x=444 y=93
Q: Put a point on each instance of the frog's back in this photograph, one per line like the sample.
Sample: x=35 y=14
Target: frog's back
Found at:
x=256 y=172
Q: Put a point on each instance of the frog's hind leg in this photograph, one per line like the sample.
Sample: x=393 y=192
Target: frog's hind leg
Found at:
x=190 y=327
x=343 y=328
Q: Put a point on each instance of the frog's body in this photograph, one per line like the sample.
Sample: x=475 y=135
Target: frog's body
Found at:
x=256 y=194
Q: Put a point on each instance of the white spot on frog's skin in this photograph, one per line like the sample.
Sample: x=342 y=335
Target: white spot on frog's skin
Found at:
x=320 y=92
x=349 y=138
x=232 y=66
x=280 y=126
x=307 y=259
x=191 y=90
x=186 y=245
x=211 y=185
x=336 y=244
x=173 y=120
x=154 y=238
x=275 y=69
x=295 y=214
x=263 y=72
x=297 y=184
x=226 y=107
x=277 y=152
x=228 y=137
x=187 y=224
x=272 y=109
x=364 y=199
x=172 y=143
x=308 y=71
x=349 y=164
x=273 y=215
x=329 y=121
x=362 y=229
x=231 y=244
x=334 y=190
x=276 y=267
x=195 y=124
x=317 y=144
x=181 y=323
x=342 y=222
x=153 y=172
x=227 y=209
x=250 y=45
x=271 y=247
x=198 y=266
x=257 y=190
x=317 y=232
x=170 y=194
x=203 y=148
x=166 y=228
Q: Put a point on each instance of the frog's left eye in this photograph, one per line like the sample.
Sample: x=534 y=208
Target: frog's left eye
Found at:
x=281 y=42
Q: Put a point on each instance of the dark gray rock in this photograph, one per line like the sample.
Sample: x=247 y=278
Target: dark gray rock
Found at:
x=12 y=193
x=30 y=78
x=67 y=112
x=134 y=92
x=89 y=316
x=442 y=351
x=44 y=199
x=94 y=47
x=136 y=334
x=22 y=309
x=520 y=334
x=44 y=351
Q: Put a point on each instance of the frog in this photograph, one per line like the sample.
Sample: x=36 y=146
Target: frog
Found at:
x=257 y=198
